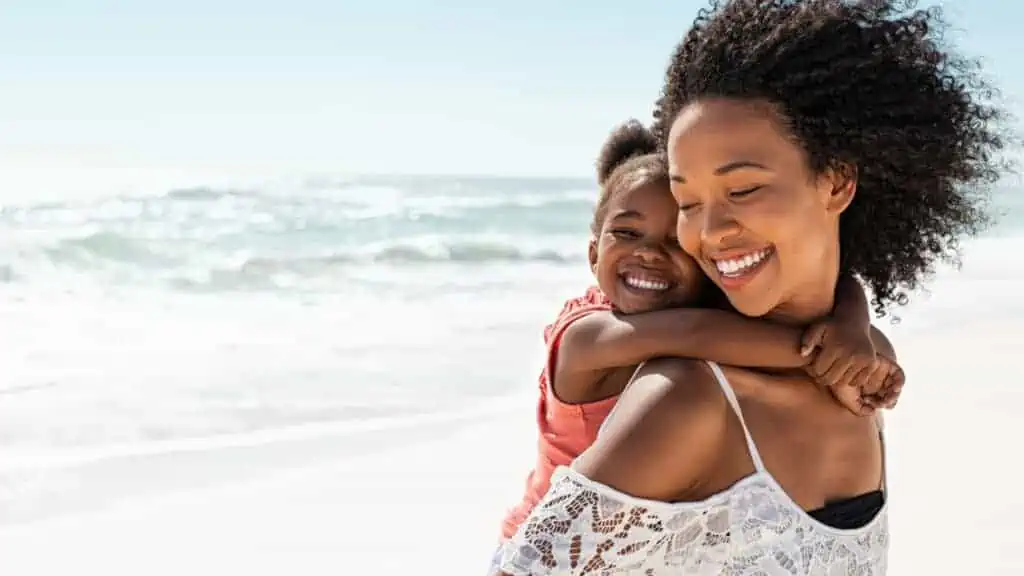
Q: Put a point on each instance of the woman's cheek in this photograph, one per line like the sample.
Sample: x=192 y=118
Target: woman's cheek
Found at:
x=688 y=232
x=769 y=219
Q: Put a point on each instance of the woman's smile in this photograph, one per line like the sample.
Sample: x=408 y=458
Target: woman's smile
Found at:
x=735 y=269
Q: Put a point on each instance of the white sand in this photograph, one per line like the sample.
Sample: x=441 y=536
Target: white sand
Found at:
x=954 y=453
x=424 y=509
x=434 y=507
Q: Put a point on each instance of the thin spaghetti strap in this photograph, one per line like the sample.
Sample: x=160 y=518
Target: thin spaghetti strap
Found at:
x=880 y=422
x=730 y=395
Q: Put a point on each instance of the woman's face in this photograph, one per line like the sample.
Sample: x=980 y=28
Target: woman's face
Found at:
x=761 y=225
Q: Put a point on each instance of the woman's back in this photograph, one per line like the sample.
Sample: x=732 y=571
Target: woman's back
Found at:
x=737 y=520
x=816 y=450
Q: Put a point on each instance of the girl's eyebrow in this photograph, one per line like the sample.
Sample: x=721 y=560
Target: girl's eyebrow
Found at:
x=628 y=214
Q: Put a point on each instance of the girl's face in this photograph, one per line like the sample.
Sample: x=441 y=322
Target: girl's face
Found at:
x=636 y=257
x=759 y=222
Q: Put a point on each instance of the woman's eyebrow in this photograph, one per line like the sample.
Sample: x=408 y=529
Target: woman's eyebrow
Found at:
x=727 y=168
x=739 y=165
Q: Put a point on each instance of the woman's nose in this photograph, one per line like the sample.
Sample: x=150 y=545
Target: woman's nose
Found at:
x=719 y=224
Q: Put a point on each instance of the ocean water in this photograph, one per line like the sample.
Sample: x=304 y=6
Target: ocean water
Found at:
x=223 y=326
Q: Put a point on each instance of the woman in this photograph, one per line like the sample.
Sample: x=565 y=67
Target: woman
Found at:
x=805 y=140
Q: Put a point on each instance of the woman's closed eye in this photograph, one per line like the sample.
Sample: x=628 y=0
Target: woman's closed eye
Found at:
x=735 y=195
x=744 y=192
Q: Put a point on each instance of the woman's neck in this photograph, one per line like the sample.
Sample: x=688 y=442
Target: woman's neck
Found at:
x=802 y=313
x=810 y=302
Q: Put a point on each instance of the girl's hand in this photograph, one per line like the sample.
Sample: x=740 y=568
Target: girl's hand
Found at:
x=847 y=364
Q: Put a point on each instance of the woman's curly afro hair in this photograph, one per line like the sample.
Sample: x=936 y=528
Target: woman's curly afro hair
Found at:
x=864 y=85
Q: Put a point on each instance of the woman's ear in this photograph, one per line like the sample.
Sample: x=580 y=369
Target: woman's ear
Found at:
x=842 y=187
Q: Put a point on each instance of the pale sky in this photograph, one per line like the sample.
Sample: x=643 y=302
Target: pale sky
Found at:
x=247 y=90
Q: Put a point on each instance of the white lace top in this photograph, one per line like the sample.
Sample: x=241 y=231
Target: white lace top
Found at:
x=582 y=528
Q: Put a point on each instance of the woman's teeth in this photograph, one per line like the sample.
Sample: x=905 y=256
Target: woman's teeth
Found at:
x=737 y=266
x=645 y=283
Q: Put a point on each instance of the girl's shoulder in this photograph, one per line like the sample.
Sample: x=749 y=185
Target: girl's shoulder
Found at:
x=593 y=300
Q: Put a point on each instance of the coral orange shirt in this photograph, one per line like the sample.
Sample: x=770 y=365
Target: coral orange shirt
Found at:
x=566 y=430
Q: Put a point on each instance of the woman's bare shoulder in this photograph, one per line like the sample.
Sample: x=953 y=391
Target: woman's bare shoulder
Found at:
x=680 y=380
x=667 y=429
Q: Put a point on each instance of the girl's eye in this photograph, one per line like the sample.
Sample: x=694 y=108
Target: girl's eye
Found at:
x=625 y=233
x=745 y=192
x=688 y=206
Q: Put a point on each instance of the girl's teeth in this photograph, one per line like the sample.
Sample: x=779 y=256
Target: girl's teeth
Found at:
x=646 y=284
x=737 y=266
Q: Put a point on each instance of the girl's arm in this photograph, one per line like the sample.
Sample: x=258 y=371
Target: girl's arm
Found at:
x=605 y=340
x=852 y=304
x=843 y=340
x=838 y=351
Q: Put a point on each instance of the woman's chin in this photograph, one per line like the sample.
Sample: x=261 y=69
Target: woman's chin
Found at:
x=750 y=306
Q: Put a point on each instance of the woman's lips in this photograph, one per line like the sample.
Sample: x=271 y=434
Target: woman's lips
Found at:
x=737 y=268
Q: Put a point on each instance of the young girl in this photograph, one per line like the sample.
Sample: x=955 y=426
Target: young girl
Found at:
x=636 y=313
